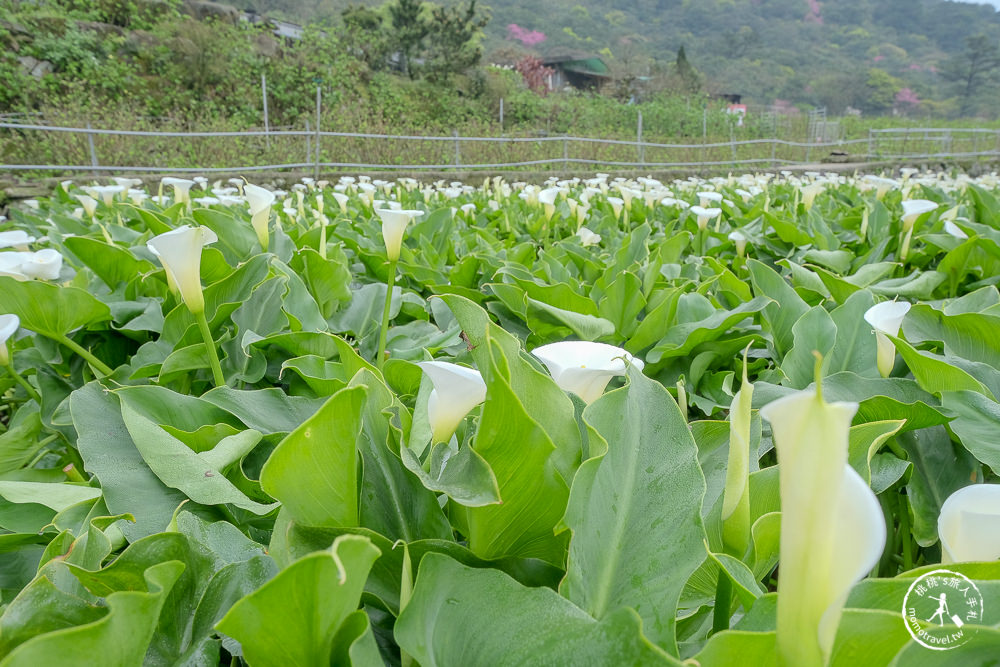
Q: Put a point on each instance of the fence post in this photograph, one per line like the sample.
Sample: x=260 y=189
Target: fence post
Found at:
x=458 y=154
x=565 y=154
x=309 y=152
x=93 y=151
x=774 y=153
x=267 y=125
x=704 y=133
x=318 y=104
x=871 y=144
x=638 y=138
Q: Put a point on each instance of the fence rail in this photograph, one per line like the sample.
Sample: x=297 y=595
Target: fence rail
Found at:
x=45 y=148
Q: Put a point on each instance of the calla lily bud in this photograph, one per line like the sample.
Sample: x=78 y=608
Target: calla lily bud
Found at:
x=394 y=224
x=969 y=524
x=457 y=390
x=260 y=200
x=913 y=209
x=584 y=368
x=44 y=265
x=8 y=327
x=736 y=495
x=179 y=251
x=886 y=318
x=832 y=528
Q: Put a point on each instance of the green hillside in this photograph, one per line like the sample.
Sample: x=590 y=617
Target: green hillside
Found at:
x=836 y=53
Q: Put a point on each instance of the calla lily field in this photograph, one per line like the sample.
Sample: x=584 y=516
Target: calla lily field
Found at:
x=591 y=421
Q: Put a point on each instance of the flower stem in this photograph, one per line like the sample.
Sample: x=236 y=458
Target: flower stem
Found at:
x=96 y=363
x=322 y=236
x=904 y=530
x=213 y=355
x=384 y=333
x=24 y=383
x=723 y=602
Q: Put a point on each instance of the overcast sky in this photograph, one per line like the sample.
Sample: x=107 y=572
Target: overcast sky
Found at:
x=995 y=3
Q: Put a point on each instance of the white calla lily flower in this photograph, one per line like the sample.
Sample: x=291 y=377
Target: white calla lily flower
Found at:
x=10 y=264
x=43 y=265
x=616 y=206
x=106 y=193
x=969 y=524
x=260 y=200
x=913 y=209
x=179 y=251
x=547 y=198
x=89 y=204
x=457 y=390
x=740 y=239
x=394 y=224
x=886 y=318
x=181 y=186
x=832 y=528
x=9 y=324
x=16 y=238
x=809 y=193
x=954 y=230
x=587 y=237
x=341 y=199
x=705 y=215
x=584 y=368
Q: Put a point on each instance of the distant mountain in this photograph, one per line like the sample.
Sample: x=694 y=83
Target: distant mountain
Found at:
x=835 y=53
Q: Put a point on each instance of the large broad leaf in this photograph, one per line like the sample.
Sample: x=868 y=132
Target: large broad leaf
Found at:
x=120 y=638
x=814 y=332
x=314 y=470
x=940 y=468
x=294 y=619
x=635 y=513
x=48 y=309
x=110 y=455
x=533 y=495
x=976 y=424
x=481 y=617
x=854 y=349
x=394 y=503
x=540 y=396
x=972 y=336
x=682 y=338
x=786 y=306
x=936 y=374
x=198 y=475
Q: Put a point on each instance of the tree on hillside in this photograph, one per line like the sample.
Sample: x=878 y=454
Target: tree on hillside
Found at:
x=688 y=77
x=409 y=30
x=975 y=67
x=453 y=40
x=365 y=36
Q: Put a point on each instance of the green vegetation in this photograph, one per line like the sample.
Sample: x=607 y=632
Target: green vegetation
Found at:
x=601 y=422
x=419 y=68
